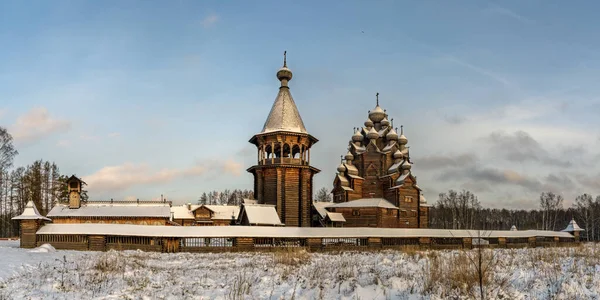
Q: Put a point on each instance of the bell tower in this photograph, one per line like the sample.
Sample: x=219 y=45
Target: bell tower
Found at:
x=74 y=186
x=283 y=176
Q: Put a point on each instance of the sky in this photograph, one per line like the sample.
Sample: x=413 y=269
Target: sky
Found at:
x=143 y=98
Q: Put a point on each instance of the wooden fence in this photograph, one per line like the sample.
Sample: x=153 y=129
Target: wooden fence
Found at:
x=232 y=244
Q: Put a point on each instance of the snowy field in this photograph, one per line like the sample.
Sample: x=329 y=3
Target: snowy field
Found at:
x=551 y=273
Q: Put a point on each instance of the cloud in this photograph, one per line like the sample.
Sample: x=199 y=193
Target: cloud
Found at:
x=122 y=177
x=454 y=119
x=210 y=20
x=491 y=176
x=521 y=147
x=63 y=143
x=433 y=162
x=508 y=13
x=37 y=124
x=114 y=134
x=488 y=73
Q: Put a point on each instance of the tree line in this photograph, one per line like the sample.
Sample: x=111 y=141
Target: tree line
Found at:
x=462 y=210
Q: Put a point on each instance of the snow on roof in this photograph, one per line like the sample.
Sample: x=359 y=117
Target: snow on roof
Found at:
x=112 y=210
x=320 y=207
x=30 y=213
x=292 y=232
x=366 y=202
x=224 y=212
x=262 y=215
x=513 y=228
x=336 y=217
x=249 y=201
x=572 y=227
x=182 y=212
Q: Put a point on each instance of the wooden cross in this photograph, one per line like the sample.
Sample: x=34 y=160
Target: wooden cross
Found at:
x=377 y=98
x=284 y=59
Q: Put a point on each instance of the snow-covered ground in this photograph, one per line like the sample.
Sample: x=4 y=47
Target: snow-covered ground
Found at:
x=565 y=273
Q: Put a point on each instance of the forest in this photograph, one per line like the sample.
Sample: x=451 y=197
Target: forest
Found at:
x=42 y=182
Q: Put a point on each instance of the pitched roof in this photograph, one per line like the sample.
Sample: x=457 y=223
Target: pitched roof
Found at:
x=366 y=202
x=112 y=210
x=182 y=212
x=336 y=217
x=30 y=213
x=320 y=208
x=224 y=212
x=284 y=115
x=262 y=215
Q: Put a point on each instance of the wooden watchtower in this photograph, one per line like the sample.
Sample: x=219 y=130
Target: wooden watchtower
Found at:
x=75 y=186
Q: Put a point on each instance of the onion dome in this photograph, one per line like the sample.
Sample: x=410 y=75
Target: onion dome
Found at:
x=422 y=199
x=372 y=134
x=357 y=136
x=349 y=156
x=377 y=114
x=398 y=154
x=341 y=168
x=402 y=139
x=284 y=73
x=385 y=122
x=406 y=166
x=368 y=123
x=392 y=135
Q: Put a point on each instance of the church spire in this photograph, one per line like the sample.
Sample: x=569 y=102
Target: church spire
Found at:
x=284 y=115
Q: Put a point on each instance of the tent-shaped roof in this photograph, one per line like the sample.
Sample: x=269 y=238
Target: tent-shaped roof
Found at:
x=572 y=227
x=366 y=202
x=30 y=213
x=513 y=228
x=261 y=215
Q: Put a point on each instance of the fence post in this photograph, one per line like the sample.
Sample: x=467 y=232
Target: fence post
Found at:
x=374 y=242
x=502 y=242
x=468 y=243
x=97 y=243
x=314 y=244
x=244 y=243
x=531 y=241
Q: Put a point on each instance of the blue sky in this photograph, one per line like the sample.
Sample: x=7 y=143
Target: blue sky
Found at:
x=148 y=97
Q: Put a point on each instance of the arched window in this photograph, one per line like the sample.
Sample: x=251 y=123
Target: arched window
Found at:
x=286 y=150
x=296 y=151
x=268 y=152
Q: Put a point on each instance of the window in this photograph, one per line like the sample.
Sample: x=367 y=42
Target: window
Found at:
x=355 y=212
x=408 y=199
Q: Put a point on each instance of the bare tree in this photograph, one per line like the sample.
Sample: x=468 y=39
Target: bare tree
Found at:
x=323 y=195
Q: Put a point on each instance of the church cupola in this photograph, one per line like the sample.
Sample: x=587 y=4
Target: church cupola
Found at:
x=398 y=155
x=349 y=157
x=372 y=134
x=341 y=168
x=377 y=114
x=392 y=135
x=385 y=122
x=357 y=136
x=368 y=123
x=402 y=139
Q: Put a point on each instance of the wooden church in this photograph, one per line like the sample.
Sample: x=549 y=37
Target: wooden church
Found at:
x=374 y=185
